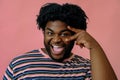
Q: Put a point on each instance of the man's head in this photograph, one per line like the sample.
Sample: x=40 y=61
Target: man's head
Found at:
x=53 y=19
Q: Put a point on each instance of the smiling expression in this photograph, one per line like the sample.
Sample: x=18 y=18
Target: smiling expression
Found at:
x=55 y=36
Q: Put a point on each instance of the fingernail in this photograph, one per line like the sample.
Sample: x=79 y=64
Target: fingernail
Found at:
x=66 y=40
x=69 y=27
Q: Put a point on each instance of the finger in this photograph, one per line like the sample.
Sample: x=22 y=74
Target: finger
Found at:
x=74 y=37
x=81 y=45
x=74 y=29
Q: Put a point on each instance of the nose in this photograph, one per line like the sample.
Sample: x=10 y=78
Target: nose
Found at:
x=57 y=39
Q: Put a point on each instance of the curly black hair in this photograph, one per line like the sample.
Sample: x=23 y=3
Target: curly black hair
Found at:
x=71 y=14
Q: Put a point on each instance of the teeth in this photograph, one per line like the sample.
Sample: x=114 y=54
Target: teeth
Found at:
x=56 y=46
x=57 y=49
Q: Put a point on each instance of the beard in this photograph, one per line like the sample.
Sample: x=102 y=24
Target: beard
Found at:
x=66 y=53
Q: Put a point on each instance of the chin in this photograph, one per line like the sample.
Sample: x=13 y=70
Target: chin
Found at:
x=57 y=58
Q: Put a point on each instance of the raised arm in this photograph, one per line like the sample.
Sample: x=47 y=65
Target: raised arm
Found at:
x=101 y=67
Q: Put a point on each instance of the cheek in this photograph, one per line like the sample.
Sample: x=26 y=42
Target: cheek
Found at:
x=69 y=43
x=66 y=41
x=47 y=40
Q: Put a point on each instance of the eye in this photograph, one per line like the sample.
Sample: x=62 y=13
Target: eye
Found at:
x=66 y=34
x=49 y=33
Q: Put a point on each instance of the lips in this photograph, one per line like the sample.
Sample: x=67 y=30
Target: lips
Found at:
x=57 y=49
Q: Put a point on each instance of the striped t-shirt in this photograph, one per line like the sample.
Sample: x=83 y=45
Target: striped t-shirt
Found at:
x=36 y=65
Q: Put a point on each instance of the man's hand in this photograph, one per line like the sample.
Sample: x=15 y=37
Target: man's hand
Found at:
x=101 y=68
x=82 y=38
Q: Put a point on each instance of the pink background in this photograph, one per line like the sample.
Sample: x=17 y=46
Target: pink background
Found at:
x=19 y=34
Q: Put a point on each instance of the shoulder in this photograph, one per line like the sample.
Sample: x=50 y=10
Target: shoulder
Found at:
x=26 y=57
x=33 y=53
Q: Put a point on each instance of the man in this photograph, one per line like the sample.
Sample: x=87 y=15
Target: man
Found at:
x=62 y=26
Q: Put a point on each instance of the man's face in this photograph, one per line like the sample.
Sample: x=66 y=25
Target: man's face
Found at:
x=55 y=36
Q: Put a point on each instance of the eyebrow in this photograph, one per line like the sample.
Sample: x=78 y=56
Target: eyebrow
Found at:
x=61 y=31
x=49 y=29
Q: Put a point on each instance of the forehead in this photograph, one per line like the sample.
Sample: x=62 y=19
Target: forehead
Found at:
x=56 y=25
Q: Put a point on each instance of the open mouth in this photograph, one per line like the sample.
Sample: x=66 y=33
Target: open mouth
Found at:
x=57 y=50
